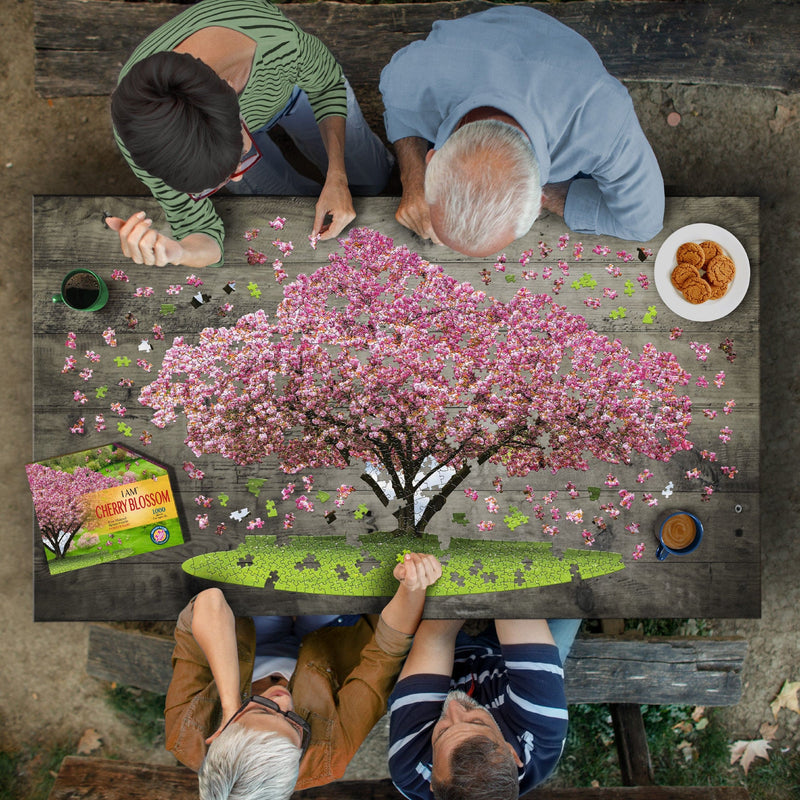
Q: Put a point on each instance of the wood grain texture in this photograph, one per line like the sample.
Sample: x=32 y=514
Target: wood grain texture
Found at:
x=720 y=579
x=599 y=669
x=104 y=779
x=82 y=44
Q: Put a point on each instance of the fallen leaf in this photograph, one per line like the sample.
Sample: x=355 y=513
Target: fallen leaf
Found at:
x=748 y=750
x=89 y=742
x=698 y=713
x=701 y=724
x=783 y=116
x=787 y=698
x=767 y=731
x=683 y=727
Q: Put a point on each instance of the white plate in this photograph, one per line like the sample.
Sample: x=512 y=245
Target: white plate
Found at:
x=665 y=263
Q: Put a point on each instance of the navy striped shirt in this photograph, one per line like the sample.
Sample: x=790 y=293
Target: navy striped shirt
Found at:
x=522 y=687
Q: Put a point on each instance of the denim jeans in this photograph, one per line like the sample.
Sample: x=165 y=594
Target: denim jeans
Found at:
x=367 y=161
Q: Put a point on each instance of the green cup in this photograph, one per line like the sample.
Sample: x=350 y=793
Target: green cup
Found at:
x=82 y=290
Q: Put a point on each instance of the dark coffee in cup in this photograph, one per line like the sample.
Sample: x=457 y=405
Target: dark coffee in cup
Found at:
x=81 y=290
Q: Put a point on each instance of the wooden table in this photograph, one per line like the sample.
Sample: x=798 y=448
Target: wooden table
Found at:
x=720 y=579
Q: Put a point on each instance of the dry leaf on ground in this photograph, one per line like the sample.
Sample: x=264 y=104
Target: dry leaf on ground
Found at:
x=768 y=730
x=787 y=698
x=747 y=751
x=89 y=742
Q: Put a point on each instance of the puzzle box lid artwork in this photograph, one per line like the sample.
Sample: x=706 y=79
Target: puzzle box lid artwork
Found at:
x=100 y=505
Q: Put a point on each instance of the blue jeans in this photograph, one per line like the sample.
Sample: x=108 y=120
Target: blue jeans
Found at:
x=367 y=161
x=281 y=636
x=562 y=630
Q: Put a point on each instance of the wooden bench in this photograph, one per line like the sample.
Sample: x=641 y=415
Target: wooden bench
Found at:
x=103 y=779
x=623 y=671
x=81 y=44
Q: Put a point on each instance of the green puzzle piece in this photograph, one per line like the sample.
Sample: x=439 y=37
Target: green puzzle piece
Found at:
x=252 y=287
x=328 y=565
x=630 y=287
x=460 y=518
x=514 y=518
x=124 y=429
x=271 y=510
x=511 y=278
x=594 y=492
x=361 y=511
x=223 y=499
x=122 y=361
x=254 y=485
x=323 y=496
x=168 y=308
x=100 y=392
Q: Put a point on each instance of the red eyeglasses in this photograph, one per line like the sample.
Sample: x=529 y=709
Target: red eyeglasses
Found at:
x=249 y=159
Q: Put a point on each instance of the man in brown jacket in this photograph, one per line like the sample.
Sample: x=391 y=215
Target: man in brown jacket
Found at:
x=288 y=733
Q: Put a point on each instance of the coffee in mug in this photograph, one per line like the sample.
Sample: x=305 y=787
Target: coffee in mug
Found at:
x=82 y=290
x=678 y=533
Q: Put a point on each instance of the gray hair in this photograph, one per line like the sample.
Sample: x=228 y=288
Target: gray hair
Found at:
x=243 y=764
x=484 y=181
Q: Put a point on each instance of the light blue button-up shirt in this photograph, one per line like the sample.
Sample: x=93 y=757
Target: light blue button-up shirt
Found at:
x=551 y=81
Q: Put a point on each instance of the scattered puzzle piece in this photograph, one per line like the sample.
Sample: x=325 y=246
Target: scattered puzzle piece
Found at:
x=460 y=518
x=361 y=511
x=100 y=392
x=122 y=361
x=630 y=288
x=124 y=429
x=240 y=514
x=594 y=492
x=514 y=518
x=168 y=308
x=252 y=287
x=254 y=485
x=271 y=510
x=223 y=499
x=323 y=496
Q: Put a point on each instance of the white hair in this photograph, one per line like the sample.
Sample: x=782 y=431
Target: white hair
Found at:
x=243 y=764
x=484 y=182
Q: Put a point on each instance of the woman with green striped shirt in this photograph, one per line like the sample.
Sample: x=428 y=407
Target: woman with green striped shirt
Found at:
x=191 y=114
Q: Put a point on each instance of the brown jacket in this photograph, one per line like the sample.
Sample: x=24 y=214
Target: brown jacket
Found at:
x=343 y=678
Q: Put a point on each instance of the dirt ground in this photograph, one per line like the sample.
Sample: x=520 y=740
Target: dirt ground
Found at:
x=730 y=141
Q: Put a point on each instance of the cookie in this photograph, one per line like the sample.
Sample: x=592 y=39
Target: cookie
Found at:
x=683 y=273
x=717 y=291
x=710 y=249
x=691 y=253
x=720 y=270
x=696 y=290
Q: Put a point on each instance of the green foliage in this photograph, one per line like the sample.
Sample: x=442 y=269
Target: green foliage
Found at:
x=30 y=774
x=669 y=627
x=144 y=710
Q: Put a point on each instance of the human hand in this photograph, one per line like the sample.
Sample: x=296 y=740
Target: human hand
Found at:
x=415 y=214
x=554 y=197
x=336 y=201
x=144 y=244
x=226 y=717
x=417 y=571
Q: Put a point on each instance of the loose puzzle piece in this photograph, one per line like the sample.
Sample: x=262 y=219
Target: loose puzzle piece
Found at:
x=630 y=287
x=168 y=308
x=586 y=281
x=594 y=492
x=252 y=287
x=122 y=361
x=124 y=429
x=223 y=499
x=254 y=485
x=361 y=511
x=460 y=518
x=650 y=317
x=514 y=518
x=271 y=510
x=365 y=570
x=618 y=313
x=240 y=514
x=323 y=496
x=100 y=392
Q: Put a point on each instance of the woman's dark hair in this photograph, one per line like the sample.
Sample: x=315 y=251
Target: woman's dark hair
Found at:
x=179 y=121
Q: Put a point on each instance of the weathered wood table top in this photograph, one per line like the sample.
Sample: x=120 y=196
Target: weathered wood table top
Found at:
x=721 y=578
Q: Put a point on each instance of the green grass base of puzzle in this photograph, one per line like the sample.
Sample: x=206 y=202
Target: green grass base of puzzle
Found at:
x=329 y=566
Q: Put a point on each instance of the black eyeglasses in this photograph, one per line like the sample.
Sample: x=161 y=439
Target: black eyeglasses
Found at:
x=271 y=705
x=244 y=165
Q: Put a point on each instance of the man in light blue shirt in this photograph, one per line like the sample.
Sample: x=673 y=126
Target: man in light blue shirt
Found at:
x=504 y=111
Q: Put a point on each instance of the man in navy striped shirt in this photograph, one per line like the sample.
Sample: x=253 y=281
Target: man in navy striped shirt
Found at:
x=482 y=718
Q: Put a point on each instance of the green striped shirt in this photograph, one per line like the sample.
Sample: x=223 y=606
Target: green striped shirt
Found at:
x=285 y=56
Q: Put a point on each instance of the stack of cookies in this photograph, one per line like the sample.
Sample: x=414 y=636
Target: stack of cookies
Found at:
x=703 y=273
